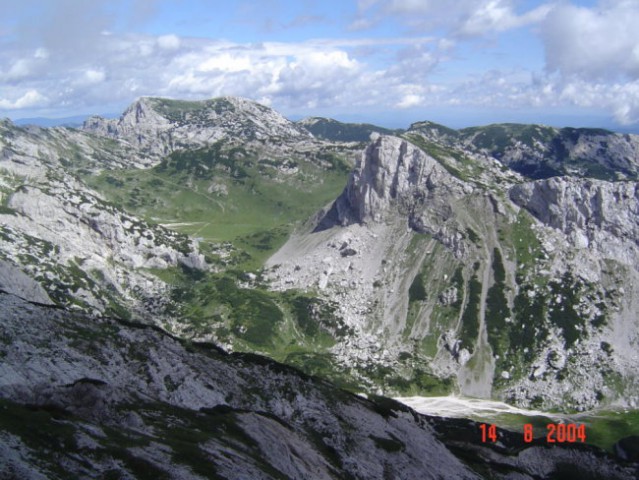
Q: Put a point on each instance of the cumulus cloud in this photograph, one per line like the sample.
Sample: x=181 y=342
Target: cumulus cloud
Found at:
x=169 y=42
x=22 y=68
x=92 y=76
x=592 y=61
x=499 y=15
x=31 y=98
x=622 y=99
x=600 y=42
x=460 y=18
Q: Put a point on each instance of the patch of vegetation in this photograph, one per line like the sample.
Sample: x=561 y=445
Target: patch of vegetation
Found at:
x=334 y=130
x=528 y=326
x=254 y=315
x=227 y=192
x=472 y=235
x=324 y=365
x=417 y=290
x=495 y=138
x=606 y=428
x=420 y=382
x=315 y=316
x=4 y=210
x=562 y=312
x=181 y=111
x=391 y=445
x=429 y=127
x=439 y=153
x=497 y=310
x=469 y=329
x=527 y=246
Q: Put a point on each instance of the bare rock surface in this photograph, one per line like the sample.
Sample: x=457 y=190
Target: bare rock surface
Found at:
x=122 y=398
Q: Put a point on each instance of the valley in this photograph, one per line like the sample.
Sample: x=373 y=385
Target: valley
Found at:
x=430 y=265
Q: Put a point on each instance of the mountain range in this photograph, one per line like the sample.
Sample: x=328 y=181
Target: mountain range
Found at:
x=495 y=262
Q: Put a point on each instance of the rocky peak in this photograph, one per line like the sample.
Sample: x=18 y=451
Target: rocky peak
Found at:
x=393 y=175
x=160 y=126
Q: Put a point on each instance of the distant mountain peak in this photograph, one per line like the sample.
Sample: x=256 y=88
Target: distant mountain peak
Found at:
x=162 y=125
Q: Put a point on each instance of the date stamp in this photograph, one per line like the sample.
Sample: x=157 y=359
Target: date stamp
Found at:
x=555 y=433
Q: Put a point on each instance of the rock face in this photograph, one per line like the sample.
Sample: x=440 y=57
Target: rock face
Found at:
x=87 y=397
x=16 y=282
x=600 y=214
x=394 y=176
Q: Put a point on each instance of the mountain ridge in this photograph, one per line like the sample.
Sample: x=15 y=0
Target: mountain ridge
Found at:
x=160 y=126
x=412 y=201
x=434 y=266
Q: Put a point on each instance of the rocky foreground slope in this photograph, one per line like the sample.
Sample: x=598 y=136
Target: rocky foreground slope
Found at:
x=83 y=397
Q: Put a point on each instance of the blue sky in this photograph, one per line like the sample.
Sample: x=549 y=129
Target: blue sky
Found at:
x=461 y=62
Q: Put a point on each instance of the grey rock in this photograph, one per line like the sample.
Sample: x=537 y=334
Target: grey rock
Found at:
x=158 y=126
x=15 y=281
x=132 y=392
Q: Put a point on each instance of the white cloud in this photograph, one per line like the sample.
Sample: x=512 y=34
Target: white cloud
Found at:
x=94 y=76
x=592 y=62
x=31 y=98
x=601 y=42
x=225 y=62
x=169 y=42
x=499 y=15
x=459 y=17
x=27 y=66
x=622 y=99
x=410 y=100
x=20 y=69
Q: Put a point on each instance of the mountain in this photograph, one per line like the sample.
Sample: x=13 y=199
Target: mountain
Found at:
x=454 y=270
x=539 y=151
x=442 y=266
x=333 y=130
x=160 y=126
x=84 y=397
x=495 y=262
x=98 y=218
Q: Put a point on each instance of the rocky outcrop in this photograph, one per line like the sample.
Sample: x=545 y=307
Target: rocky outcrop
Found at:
x=83 y=250
x=84 y=397
x=395 y=177
x=595 y=210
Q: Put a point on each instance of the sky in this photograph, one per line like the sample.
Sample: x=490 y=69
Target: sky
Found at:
x=391 y=62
